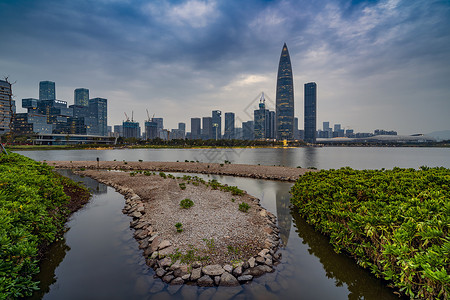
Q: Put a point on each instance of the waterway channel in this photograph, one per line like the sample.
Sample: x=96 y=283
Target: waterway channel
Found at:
x=99 y=258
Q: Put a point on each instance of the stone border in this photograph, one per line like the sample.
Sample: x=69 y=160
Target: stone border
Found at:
x=156 y=250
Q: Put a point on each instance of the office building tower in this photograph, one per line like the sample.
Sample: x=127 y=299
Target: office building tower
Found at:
x=261 y=120
x=30 y=123
x=131 y=129
x=118 y=130
x=207 y=128
x=81 y=97
x=195 y=128
x=285 y=98
x=217 y=124
x=229 y=133
x=310 y=112
x=6 y=109
x=248 y=130
x=271 y=132
x=159 y=126
x=296 y=132
x=98 y=113
x=47 y=90
x=239 y=133
x=150 y=130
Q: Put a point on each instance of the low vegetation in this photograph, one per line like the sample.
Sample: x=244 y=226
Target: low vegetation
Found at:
x=186 y=203
x=244 y=207
x=394 y=222
x=33 y=210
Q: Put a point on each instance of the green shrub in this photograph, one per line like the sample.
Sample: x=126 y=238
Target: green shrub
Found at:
x=394 y=222
x=186 y=203
x=182 y=185
x=244 y=207
x=32 y=215
x=179 y=227
x=162 y=174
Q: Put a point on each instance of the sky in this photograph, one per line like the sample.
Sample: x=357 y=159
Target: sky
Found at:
x=377 y=64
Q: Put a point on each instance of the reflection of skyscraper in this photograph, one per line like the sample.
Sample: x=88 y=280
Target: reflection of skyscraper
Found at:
x=47 y=90
x=285 y=98
x=310 y=112
x=283 y=213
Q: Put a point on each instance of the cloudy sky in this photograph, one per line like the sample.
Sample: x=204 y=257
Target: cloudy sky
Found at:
x=378 y=64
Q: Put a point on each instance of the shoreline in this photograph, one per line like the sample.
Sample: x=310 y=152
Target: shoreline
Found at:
x=219 y=245
x=239 y=170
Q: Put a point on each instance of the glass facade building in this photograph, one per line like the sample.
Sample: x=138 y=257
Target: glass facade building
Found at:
x=285 y=98
x=229 y=126
x=195 y=128
x=207 y=128
x=217 y=124
x=47 y=90
x=99 y=116
x=6 y=108
x=310 y=112
x=81 y=97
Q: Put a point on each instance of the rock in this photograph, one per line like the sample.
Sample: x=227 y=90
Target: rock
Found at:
x=155 y=243
x=153 y=237
x=244 y=278
x=196 y=274
x=258 y=270
x=141 y=234
x=217 y=280
x=141 y=209
x=165 y=262
x=175 y=266
x=228 y=280
x=263 y=213
x=181 y=271
x=263 y=252
x=143 y=244
x=260 y=260
x=237 y=271
x=268 y=262
x=251 y=262
x=136 y=215
x=140 y=225
x=164 y=252
x=196 y=264
x=135 y=197
x=186 y=277
x=151 y=262
x=228 y=268
x=213 y=270
x=167 y=278
x=154 y=254
x=148 y=251
x=245 y=265
x=205 y=281
x=176 y=281
x=160 y=272
x=164 y=244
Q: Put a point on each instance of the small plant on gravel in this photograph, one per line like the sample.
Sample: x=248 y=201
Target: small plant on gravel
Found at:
x=186 y=203
x=147 y=173
x=299 y=167
x=244 y=207
x=115 y=160
x=179 y=227
x=125 y=163
x=232 y=199
x=221 y=165
x=182 y=185
x=171 y=176
x=186 y=160
x=210 y=244
x=82 y=169
x=233 y=250
x=162 y=174
x=132 y=174
x=140 y=160
x=312 y=168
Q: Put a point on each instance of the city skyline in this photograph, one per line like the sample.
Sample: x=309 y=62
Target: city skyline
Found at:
x=379 y=64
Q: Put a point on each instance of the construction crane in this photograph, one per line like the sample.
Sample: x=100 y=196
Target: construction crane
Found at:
x=126 y=116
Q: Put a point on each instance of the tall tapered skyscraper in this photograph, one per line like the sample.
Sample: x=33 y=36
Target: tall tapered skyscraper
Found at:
x=285 y=98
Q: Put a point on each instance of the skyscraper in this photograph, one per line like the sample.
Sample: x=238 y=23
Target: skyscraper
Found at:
x=285 y=98
x=217 y=124
x=261 y=120
x=195 y=128
x=207 y=129
x=98 y=113
x=81 y=97
x=47 y=90
x=6 y=110
x=310 y=112
x=229 y=126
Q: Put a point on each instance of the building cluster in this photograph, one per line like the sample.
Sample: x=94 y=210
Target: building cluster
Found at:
x=48 y=115
x=337 y=132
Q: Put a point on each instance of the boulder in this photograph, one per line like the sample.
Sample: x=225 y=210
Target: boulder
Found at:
x=155 y=243
x=228 y=280
x=237 y=271
x=196 y=274
x=177 y=281
x=168 y=278
x=205 y=281
x=213 y=270
x=228 y=268
x=164 y=244
x=244 y=278
x=251 y=262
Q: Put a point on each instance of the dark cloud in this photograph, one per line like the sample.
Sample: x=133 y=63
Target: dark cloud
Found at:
x=184 y=58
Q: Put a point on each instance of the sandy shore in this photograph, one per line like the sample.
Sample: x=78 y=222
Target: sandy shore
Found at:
x=241 y=170
x=236 y=245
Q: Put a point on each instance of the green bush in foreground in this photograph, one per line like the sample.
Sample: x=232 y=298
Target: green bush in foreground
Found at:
x=186 y=203
x=32 y=214
x=395 y=222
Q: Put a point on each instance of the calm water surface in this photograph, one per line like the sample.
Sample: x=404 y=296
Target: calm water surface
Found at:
x=99 y=258
x=321 y=158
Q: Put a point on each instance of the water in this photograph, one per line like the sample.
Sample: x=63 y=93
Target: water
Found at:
x=321 y=158
x=99 y=258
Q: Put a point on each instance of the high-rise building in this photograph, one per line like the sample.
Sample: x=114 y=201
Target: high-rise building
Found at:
x=6 y=109
x=261 y=120
x=131 y=129
x=195 y=128
x=98 y=113
x=217 y=124
x=207 y=128
x=248 y=130
x=229 y=126
x=47 y=90
x=150 y=130
x=271 y=132
x=296 y=132
x=310 y=112
x=118 y=130
x=285 y=97
x=81 y=97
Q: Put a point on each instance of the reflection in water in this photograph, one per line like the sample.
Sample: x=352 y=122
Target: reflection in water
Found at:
x=283 y=213
x=93 y=185
x=360 y=282
x=310 y=157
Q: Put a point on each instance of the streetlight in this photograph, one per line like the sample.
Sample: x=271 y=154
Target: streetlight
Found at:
x=216 y=125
